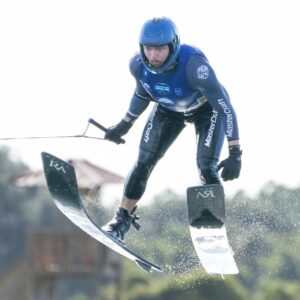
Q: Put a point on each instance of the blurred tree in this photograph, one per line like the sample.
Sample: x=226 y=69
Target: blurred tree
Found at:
x=191 y=286
x=11 y=222
x=20 y=209
x=279 y=290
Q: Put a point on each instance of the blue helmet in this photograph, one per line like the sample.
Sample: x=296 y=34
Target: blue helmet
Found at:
x=159 y=32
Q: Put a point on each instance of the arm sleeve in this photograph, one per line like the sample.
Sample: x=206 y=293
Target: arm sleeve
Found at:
x=201 y=76
x=137 y=106
x=140 y=99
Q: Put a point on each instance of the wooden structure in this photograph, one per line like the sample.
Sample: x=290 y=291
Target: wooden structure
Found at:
x=53 y=257
x=63 y=253
x=88 y=175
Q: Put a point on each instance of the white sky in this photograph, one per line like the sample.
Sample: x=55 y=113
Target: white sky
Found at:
x=64 y=61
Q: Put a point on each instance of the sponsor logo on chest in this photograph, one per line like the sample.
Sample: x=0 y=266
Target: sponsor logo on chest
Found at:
x=162 y=88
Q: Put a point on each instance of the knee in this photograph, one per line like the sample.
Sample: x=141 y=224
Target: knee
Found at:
x=209 y=176
x=208 y=171
x=137 y=179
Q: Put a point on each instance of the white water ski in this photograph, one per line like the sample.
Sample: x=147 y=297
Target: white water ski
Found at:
x=206 y=209
x=213 y=250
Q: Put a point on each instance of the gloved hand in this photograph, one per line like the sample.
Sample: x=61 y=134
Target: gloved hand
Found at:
x=115 y=132
x=231 y=165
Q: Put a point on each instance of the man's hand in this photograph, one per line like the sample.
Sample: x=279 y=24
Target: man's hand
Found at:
x=115 y=132
x=231 y=165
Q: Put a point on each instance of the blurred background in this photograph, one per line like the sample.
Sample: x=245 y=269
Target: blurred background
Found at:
x=44 y=256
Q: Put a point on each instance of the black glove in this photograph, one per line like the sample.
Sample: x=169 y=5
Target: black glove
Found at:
x=115 y=132
x=231 y=165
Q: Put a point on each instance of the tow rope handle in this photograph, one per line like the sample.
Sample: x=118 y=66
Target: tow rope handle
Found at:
x=101 y=127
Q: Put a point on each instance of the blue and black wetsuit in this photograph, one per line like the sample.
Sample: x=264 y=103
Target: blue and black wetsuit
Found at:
x=188 y=93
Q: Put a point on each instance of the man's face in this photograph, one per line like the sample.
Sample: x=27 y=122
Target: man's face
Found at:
x=156 y=55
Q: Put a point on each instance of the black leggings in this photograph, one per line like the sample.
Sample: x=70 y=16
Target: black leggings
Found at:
x=161 y=130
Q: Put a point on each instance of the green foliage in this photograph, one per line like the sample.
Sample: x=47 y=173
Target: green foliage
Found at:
x=265 y=235
x=79 y=296
x=193 y=285
x=11 y=206
x=284 y=262
x=279 y=290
